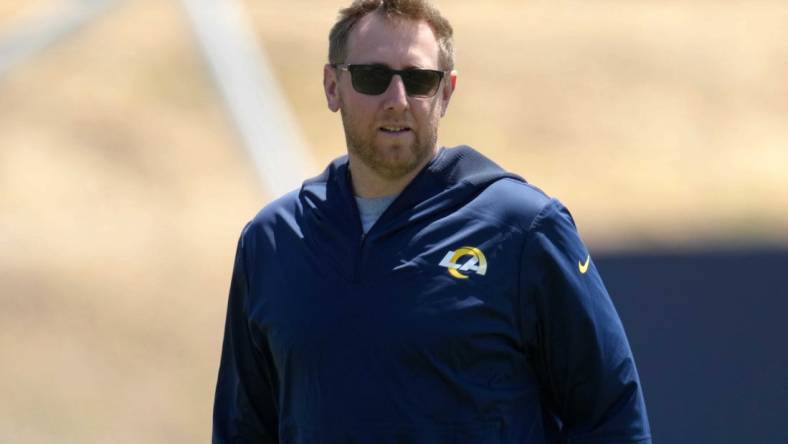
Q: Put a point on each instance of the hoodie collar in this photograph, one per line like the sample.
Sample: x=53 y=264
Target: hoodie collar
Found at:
x=451 y=178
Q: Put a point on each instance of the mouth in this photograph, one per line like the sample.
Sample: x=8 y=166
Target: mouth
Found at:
x=394 y=129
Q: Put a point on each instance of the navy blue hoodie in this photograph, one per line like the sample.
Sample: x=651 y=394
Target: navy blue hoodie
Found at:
x=471 y=312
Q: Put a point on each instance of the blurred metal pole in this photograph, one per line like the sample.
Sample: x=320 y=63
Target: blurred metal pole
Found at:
x=256 y=104
x=24 y=40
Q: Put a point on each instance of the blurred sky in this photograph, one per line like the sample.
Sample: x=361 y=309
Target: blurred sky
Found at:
x=124 y=186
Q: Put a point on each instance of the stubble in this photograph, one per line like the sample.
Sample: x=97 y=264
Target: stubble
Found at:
x=381 y=160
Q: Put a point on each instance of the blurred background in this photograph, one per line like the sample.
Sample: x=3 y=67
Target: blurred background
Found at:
x=127 y=173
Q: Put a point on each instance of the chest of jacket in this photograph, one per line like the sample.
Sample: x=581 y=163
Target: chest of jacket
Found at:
x=433 y=308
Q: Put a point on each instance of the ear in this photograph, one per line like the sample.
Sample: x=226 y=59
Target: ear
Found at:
x=331 y=87
x=448 y=89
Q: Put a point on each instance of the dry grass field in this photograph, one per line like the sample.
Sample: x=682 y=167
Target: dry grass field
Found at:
x=123 y=186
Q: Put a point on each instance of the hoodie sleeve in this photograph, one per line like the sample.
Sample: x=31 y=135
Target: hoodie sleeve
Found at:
x=244 y=407
x=590 y=387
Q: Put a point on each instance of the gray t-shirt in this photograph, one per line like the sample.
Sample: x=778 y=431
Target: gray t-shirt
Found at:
x=370 y=209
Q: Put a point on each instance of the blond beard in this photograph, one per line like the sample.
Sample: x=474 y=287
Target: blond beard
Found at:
x=421 y=149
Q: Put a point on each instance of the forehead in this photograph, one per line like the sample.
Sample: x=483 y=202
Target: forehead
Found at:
x=398 y=43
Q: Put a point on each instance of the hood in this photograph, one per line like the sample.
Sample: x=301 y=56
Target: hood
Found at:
x=453 y=177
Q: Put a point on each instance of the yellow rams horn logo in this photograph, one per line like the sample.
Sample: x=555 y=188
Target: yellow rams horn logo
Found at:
x=475 y=262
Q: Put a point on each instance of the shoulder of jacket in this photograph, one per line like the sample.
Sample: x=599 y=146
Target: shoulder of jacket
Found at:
x=518 y=202
x=282 y=208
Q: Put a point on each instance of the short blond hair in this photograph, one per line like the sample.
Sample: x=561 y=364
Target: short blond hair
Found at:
x=403 y=9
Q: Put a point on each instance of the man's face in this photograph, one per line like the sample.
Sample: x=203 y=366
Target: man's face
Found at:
x=368 y=120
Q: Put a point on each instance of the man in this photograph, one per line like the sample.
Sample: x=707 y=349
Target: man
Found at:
x=411 y=294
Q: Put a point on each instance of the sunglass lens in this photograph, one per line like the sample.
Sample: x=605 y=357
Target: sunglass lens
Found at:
x=370 y=79
x=419 y=82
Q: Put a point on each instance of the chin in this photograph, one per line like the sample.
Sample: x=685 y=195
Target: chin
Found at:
x=390 y=160
x=394 y=170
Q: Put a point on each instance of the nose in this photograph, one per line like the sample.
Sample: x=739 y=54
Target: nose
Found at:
x=395 y=96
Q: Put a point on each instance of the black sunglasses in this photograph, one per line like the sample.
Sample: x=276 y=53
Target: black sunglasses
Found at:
x=375 y=79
